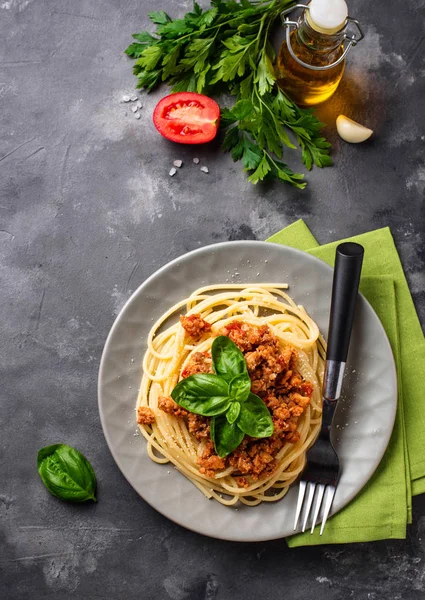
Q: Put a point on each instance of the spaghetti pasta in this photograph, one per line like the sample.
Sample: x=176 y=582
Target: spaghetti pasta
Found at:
x=169 y=353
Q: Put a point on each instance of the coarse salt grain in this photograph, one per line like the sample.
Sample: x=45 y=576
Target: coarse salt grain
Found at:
x=196 y=161
x=178 y=163
x=172 y=172
x=134 y=109
x=137 y=116
x=133 y=98
x=205 y=169
x=139 y=104
x=126 y=98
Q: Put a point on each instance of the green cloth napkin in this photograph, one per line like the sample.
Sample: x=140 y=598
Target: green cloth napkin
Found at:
x=383 y=507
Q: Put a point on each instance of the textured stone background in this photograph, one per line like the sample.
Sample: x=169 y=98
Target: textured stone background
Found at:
x=87 y=212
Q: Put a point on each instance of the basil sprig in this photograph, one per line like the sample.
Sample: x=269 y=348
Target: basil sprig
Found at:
x=226 y=396
x=66 y=473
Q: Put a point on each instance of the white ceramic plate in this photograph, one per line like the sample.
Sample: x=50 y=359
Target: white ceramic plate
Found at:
x=364 y=418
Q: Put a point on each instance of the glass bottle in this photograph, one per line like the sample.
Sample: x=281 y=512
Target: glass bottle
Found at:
x=317 y=40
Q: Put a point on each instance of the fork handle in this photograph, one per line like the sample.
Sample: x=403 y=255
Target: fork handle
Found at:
x=348 y=266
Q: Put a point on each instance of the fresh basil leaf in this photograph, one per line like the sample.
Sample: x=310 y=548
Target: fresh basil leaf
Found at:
x=239 y=387
x=255 y=419
x=226 y=436
x=66 y=473
x=228 y=360
x=203 y=394
x=233 y=412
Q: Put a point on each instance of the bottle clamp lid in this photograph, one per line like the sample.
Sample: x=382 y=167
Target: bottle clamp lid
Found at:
x=327 y=16
x=322 y=17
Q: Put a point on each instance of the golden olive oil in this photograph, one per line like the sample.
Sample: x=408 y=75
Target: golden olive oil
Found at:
x=307 y=86
x=311 y=60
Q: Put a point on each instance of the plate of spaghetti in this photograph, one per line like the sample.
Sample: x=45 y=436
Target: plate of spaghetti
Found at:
x=210 y=388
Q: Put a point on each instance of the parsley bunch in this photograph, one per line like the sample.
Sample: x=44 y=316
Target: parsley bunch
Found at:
x=226 y=48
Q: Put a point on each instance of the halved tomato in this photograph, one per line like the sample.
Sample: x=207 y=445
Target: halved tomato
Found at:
x=187 y=118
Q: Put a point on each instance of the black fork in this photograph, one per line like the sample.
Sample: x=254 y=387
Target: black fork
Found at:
x=321 y=475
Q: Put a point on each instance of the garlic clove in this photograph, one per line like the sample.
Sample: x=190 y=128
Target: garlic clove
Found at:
x=351 y=131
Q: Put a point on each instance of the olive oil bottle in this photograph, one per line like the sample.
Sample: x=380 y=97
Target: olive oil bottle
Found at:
x=311 y=60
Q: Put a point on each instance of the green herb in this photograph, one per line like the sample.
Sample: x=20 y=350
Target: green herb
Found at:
x=228 y=360
x=226 y=436
x=203 y=394
x=233 y=412
x=239 y=387
x=255 y=419
x=66 y=473
x=226 y=396
x=226 y=49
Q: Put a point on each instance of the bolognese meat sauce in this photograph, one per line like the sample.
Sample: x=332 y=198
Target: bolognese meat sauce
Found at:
x=195 y=325
x=145 y=415
x=201 y=362
x=274 y=378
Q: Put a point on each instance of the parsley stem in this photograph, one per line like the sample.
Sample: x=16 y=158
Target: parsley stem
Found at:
x=267 y=106
x=263 y=18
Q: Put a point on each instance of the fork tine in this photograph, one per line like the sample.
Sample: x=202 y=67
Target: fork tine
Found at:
x=317 y=504
x=300 y=500
x=330 y=493
x=311 y=489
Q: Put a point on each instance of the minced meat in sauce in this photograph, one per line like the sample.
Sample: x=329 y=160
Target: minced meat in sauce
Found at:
x=195 y=326
x=145 y=415
x=172 y=408
x=272 y=369
x=200 y=362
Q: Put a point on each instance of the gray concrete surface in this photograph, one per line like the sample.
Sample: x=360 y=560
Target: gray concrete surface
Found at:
x=87 y=212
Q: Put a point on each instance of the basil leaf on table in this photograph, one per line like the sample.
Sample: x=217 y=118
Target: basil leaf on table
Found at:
x=254 y=418
x=228 y=360
x=240 y=387
x=226 y=436
x=233 y=413
x=66 y=473
x=203 y=394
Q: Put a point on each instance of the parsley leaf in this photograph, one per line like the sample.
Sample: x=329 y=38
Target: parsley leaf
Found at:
x=261 y=171
x=144 y=37
x=149 y=57
x=148 y=80
x=265 y=76
x=242 y=109
x=159 y=17
x=134 y=50
x=169 y=62
x=234 y=61
x=196 y=54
